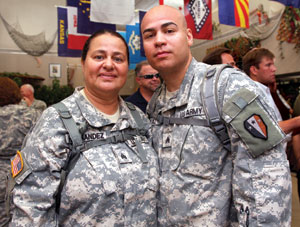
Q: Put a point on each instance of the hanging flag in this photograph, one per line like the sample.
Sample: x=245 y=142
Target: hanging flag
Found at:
x=62 y=41
x=141 y=16
x=84 y=24
x=294 y=3
x=178 y=4
x=198 y=18
x=113 y=11
x=234 y=12
x=133 y=38
x=75 y=40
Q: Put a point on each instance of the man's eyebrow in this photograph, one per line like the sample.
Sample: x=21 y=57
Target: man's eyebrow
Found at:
x=162 y=26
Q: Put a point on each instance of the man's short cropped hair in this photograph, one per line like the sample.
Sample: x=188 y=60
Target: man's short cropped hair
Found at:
x=214 y=57
x=139 y=66
x=254 y=57
x=9 y=92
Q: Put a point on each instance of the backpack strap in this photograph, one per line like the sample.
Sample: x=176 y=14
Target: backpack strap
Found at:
x=77 y=146
x=141 y=130
x=209 y=91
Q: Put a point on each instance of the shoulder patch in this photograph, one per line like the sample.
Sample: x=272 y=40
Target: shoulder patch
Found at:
x=17 y=164
x=256 y=126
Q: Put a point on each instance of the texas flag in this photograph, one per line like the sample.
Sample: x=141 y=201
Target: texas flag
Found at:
x=84 y=25
x=75 y=40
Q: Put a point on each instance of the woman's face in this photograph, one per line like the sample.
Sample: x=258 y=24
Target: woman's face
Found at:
x=106 y=65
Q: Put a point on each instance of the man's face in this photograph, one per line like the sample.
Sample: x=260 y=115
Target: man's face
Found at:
x=25 y=92
x=265 y=73
x=166 y=39
x=228 y=59
x=151 y=83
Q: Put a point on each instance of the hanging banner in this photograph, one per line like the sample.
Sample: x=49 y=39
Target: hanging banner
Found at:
x=113 y=11
x=234 y=12
x=62 y=40
x=84 y=24
x=198 y=18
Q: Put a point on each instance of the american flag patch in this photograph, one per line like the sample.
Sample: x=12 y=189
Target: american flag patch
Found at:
x=16 y=164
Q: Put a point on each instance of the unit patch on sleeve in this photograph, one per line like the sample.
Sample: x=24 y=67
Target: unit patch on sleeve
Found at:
x=16 y=164
x=256 y=127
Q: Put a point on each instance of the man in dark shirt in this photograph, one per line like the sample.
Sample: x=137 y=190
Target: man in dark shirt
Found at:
x=148 y=80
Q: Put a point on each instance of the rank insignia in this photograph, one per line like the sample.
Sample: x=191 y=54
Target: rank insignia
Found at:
x=16 y=164
x=256 y=127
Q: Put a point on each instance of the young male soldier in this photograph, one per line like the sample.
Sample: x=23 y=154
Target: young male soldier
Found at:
x=220 y=55
x=148 y=80
x=199 y=176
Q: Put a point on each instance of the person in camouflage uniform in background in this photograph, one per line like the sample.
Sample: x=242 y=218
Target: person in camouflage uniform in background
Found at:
x=199 y=177
x=15 y=122
x=112 y=184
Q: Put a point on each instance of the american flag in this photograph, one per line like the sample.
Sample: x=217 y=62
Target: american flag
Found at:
x=16 y=164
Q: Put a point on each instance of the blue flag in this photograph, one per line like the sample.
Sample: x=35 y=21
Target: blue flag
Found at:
x=141 y=16
x=133 y=38
x=294 y=3
x=84 y=24
x=62 y=40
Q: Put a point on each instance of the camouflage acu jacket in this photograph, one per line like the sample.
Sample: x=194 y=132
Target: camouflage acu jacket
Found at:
x=199 y=178
x=109 y=185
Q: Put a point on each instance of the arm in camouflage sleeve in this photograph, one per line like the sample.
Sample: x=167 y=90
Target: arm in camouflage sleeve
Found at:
x=261 y=178
x=44 y=152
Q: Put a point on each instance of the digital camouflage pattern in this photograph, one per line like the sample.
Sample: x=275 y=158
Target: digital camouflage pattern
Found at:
x=199 y=178
x=36 y=104
x=15 y=122
x=109 y=185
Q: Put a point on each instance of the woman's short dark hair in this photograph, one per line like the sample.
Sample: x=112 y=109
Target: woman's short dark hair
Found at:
x=9 y=92
x=98 y=33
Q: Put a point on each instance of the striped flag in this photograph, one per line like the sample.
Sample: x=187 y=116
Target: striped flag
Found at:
x=234 y=12
x=16 y=164
x=76 y=40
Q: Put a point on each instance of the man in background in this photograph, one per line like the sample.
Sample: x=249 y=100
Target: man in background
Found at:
x=148 y=80
x=15 y=122
x=220 y=55
x=259 y=65
x=27 y=92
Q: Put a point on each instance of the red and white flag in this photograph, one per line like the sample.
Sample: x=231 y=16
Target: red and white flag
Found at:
x=198 y=17
x=76 y=40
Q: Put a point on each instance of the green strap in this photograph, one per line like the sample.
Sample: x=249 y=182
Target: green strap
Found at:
x=77 y=145
x=208 y=94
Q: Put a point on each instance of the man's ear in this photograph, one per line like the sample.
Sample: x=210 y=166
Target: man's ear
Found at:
x=138 y=80
x=253 y=70
x=190 y=37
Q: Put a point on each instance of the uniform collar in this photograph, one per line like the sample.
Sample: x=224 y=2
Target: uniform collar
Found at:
x=97 y=120
x=181 y=97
